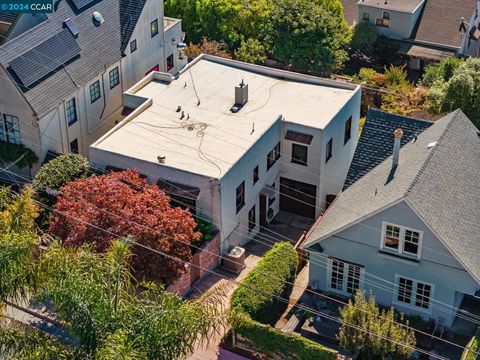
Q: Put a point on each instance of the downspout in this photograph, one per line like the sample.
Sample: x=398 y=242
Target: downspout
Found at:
x=104 y=97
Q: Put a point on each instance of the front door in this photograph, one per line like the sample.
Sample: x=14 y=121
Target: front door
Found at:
x=263 y=210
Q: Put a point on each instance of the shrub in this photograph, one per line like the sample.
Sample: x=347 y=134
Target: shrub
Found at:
x=251 y=51
x=366 y=75
x=18 y=153
x=278 y=265
x=386 y=50
x=364 y=37
x=277 y=344
x=395 y=75
x=59 y=171
x=209 y=47
x=441 y=71
x=472 y=348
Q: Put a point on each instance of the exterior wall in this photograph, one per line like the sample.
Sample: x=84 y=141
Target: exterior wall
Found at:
x=401 y=23
x=12 y=102
x=469 y=46
x=360 y=244
x=150 y=51
x=334 y=172
x=235 y=225
x=173 y=36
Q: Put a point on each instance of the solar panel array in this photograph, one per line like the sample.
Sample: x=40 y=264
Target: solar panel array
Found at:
x=46 y=57
x=80 y=4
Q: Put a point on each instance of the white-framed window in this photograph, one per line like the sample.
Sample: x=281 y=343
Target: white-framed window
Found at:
x=10 y=129
x=95 y=91
x=401 y=240
x=114 y=77
x=344 y=277
x=71 y=110
x=413 y=293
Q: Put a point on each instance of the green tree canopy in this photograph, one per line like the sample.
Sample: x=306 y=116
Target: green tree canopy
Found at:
x=363 y=314
x=363 y=37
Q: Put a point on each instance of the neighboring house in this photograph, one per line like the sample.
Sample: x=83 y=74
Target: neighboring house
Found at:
x=61 y=81
x=407 y=232
x=237 y=142
x=429 y=30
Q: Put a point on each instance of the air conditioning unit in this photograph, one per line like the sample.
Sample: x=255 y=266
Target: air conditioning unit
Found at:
x=235 y=259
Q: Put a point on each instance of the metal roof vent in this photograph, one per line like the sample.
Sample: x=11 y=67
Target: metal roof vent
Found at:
x=161 y=159
x=432 y=144
x=97 y=18
x=241 y=94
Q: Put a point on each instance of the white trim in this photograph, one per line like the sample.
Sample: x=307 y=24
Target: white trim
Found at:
x=413 y=297
x=346 y=266
x=401 y=244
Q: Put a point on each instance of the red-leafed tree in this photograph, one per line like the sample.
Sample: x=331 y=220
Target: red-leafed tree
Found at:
x=125 y=204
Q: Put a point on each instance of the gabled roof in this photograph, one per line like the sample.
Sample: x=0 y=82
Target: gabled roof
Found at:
x=131 y=10
x=376 y=141
x=440 y=20
x=438 y=176
x=100 y=47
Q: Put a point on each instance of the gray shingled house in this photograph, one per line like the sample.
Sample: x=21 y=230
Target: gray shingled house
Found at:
x=406 y=226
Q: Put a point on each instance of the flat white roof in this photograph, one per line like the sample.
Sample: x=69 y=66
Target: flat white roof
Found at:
x=210 y=139
x=407 y=6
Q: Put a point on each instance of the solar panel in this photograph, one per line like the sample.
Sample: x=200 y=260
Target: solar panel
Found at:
x=80 y=4
x=46 y=57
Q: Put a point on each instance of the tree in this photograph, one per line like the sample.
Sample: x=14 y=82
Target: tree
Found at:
x=393 y=339
x=442 y=71
x=210 y=47
x=363 y=37
x=18 y=154
x=251 y=51
x=309 y=36
x=124 y=204
x=59 y=171
x=395 y=75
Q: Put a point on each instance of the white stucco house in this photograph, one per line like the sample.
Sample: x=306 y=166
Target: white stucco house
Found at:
x=406 y=227
x=237 y=142
x=428 y=30
x=62 y=78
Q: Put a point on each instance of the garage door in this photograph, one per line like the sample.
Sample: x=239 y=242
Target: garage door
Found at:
x=298 y=197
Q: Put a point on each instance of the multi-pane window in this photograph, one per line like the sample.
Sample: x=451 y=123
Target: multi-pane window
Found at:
x=401 y=240
x=347 y=131
x=154 y=28
x=71 y=110
x=114 y=77
x=299 y=154
x=133 y=45
x=170 y=62
x=344 y=277
x=329 y=150
x=9 y=129
x=273 y=156
x=251 y=219
x=414 y=293
x=383 y=22
x=74 y=146
x=95 y=91
x=256 y=175
x=240 y=196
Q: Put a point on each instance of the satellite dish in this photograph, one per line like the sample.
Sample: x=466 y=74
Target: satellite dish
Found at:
x=97 y=18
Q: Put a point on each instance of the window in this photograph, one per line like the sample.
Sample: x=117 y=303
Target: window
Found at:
x=401 y=240
x=154 y=28
x=9 y=129
x=251 y=219
x=240 y=196
x=414 y=293
x=133 y=45
x=71 y=110
x=170 y=62
x=95 y=91
x=299 y=154
x=256 y=175
x=344 y=277
x=273 y=156
x=74 y=146
x=347 y=131
x=114 y=78
x=386 y=15
x=366 y=16
x=271 y=200
x=329 y=150
x=155 y=68
x=383 y=22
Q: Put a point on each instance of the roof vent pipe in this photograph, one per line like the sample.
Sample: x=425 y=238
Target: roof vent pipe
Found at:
x=241 y=94
x=396 y=147
x=161 y=159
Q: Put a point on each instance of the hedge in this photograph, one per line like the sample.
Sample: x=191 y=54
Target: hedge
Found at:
x=277 y=344
x=472 y=348
x=277 y=267
x=59 y=171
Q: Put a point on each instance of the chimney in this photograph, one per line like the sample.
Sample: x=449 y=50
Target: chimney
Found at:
x=396 y=147
x=241 y=94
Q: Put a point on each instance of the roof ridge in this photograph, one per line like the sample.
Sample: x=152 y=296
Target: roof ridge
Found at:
x=432 y=152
